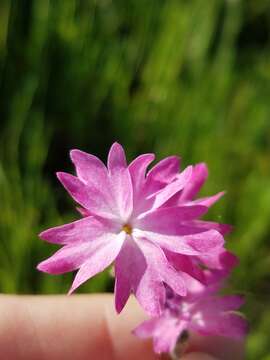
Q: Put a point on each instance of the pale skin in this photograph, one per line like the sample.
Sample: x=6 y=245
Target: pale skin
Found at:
x=86 y=327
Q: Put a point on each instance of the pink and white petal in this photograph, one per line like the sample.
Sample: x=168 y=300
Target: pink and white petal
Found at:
x=121 y=186
x=167 y=334
x=99 y=260
x=83 y=212
x=137 y=169
x=159 y=265
x=205 y=242
x=173 y=243
x=147 y=329
x=192 y=245
x=120 y=181
x=68 y=258
x=228 y=324
x=222 y=266
x=165 y=170
x=130 y=266
x=185 y=264
x=116 y=158
x=220 y=259
x=208 y=201
x=164 y=330
x=199 y=176
x=214 y=304
x=175 y=280
x=168 y=220
x=234 y=326
x=163 y=195
x=223 y=229
x=90 y=197
x=84 y=230
x=150 y=293
x=90 y=169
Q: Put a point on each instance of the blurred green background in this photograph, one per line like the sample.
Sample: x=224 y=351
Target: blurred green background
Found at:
x=187 y=77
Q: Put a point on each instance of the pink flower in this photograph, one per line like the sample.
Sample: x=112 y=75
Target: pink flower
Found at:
x=201 y=311
x=133 y=219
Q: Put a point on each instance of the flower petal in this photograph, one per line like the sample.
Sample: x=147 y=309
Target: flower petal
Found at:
x=150 y=293
x=130 y=266
x=172 y=188
x=68 y=258
x=80 y=231
x=88 y=196
x=120 y=180
x=195 y=244
x=208 y=201
x=90 y=169
x=137 y=169
x=227 y=324
x=165 y=170
x=201 y=225
x=116 y=158
x=159 y=267
x=199 y=176
x=165 y=330
x=101 y=258
x=168 y=220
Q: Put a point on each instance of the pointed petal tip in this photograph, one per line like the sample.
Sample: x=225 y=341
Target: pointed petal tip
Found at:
x=115 y=145
x=45 y=234
x=74 y=153
x=41 y=235
x=118 y=308
x=202 y=166
x=42 y=267
x=71 y=291
x=60 y=175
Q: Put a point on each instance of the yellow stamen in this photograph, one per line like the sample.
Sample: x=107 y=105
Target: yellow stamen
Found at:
x=127 y=228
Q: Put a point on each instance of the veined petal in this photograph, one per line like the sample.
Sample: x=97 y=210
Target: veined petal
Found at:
x=165 y=170
x=159 y=266
x=130 y=266
x=221 y=303
x=150 y=292
x=137 y=169
x=90 y=169
x=220 y=259
x=226 y=324
x=165 y=330
x=172 y=188
x=84 y=230
x=167 y=335
x=68 y=258
x=206 y=242
x=208 y=201
x=120 y=181
x=168 y=220
x=116 y=158
x=201 y=225
x=185 y=264
x=199 y=176
x=100 y=259
x=88 y=196
x=196 y=244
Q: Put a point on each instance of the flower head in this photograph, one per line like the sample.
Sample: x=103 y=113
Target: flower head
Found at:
x=140 y=221
x=201 y=311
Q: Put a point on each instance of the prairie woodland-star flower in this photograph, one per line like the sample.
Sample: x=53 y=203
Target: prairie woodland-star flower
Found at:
x=140 y=221
x=202 y=311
